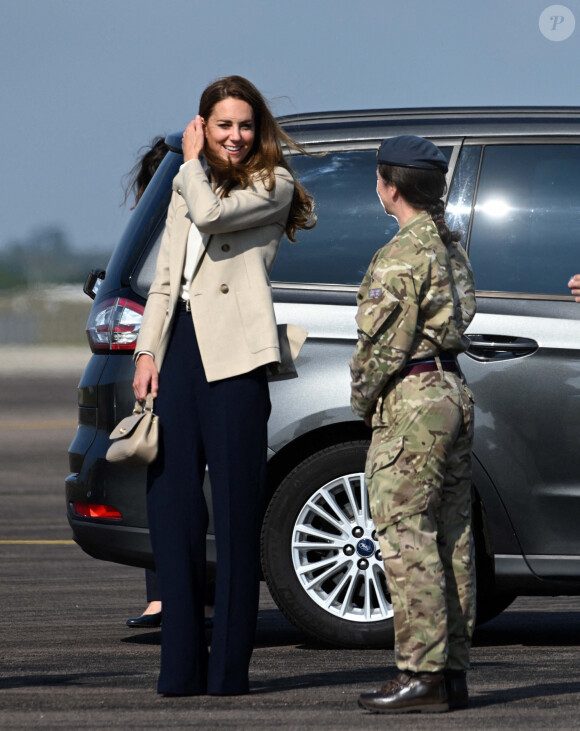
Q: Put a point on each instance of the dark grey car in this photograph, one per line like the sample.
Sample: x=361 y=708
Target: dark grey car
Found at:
x=514 y=190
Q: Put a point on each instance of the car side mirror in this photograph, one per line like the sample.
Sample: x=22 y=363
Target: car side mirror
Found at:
x=93 y=282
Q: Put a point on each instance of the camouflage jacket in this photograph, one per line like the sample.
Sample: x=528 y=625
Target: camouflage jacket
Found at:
x=416 y=299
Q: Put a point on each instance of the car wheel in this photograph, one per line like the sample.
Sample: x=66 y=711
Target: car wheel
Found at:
x=320 y=553
x=321 y=557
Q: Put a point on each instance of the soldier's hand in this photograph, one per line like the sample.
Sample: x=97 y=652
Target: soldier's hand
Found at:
x=574 y=285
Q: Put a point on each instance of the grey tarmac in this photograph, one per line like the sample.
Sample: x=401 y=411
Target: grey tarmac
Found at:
x=68 y=661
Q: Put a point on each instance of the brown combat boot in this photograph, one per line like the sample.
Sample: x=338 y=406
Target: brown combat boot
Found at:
x=419 y=692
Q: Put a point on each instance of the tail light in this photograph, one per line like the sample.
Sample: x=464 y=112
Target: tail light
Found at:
x=114 y=324
x=92 y=510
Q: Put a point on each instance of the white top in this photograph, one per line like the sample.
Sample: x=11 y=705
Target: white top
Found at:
x=194 y=244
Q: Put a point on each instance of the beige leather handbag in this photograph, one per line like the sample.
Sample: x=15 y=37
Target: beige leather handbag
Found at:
x=136 y=437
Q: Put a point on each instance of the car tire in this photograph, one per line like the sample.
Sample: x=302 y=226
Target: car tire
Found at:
x=320 y=554
x=303 y=579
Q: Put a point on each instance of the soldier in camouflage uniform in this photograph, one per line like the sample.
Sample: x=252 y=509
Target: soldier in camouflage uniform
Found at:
x=414 y=304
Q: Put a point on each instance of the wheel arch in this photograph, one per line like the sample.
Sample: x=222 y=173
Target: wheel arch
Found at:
x=307 y=444
x=489 y=521
x=490 y=517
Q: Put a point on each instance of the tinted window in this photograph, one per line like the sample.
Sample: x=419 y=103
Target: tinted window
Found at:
x=145 y=270
x=460 y=202
x=527 y=217
x=147 y=223
x=351 y=222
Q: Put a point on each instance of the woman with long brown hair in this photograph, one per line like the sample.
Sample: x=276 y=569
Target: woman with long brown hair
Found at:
x=207 y=337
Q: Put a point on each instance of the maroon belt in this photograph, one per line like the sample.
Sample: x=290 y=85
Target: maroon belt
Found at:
x=426 y=366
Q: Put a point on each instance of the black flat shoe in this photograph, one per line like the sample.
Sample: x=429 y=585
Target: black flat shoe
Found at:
x=145 y=621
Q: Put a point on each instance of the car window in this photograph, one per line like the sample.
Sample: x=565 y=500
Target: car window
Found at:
x=526 y=220
x=148 y=222
x=351 y=222
x=460 y=201
x=145 y=269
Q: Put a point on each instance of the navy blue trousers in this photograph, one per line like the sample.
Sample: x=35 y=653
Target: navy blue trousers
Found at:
x=221 y=424
x=152 y=587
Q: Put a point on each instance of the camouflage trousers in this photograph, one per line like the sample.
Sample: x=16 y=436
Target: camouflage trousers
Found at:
x=418 y=475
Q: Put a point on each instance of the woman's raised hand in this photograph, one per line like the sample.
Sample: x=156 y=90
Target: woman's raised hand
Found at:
x=193 y=139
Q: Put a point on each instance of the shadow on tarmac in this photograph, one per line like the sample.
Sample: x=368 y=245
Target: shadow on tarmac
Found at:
x=47 y=680
x=526 y=692
x=534 y=629
x=273 y=630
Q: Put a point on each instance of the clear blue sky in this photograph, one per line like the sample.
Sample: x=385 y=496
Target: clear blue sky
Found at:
x=85 y=83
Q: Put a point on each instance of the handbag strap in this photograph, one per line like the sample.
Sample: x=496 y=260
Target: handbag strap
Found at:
x=140 y=407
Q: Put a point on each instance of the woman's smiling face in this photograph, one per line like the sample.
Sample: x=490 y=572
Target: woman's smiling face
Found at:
x=229 y=130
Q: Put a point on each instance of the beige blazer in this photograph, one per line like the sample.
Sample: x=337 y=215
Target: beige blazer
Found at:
x=230 y=295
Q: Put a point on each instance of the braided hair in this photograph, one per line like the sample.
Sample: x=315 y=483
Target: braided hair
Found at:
x=423 y=189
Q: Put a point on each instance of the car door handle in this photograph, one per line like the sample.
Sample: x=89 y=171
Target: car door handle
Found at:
x=499 y=347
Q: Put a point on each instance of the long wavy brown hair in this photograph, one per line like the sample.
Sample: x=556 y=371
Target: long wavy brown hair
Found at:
x=266 y=152
x=139 y=177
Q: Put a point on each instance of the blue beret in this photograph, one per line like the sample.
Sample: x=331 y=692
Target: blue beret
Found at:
x=409 y=151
